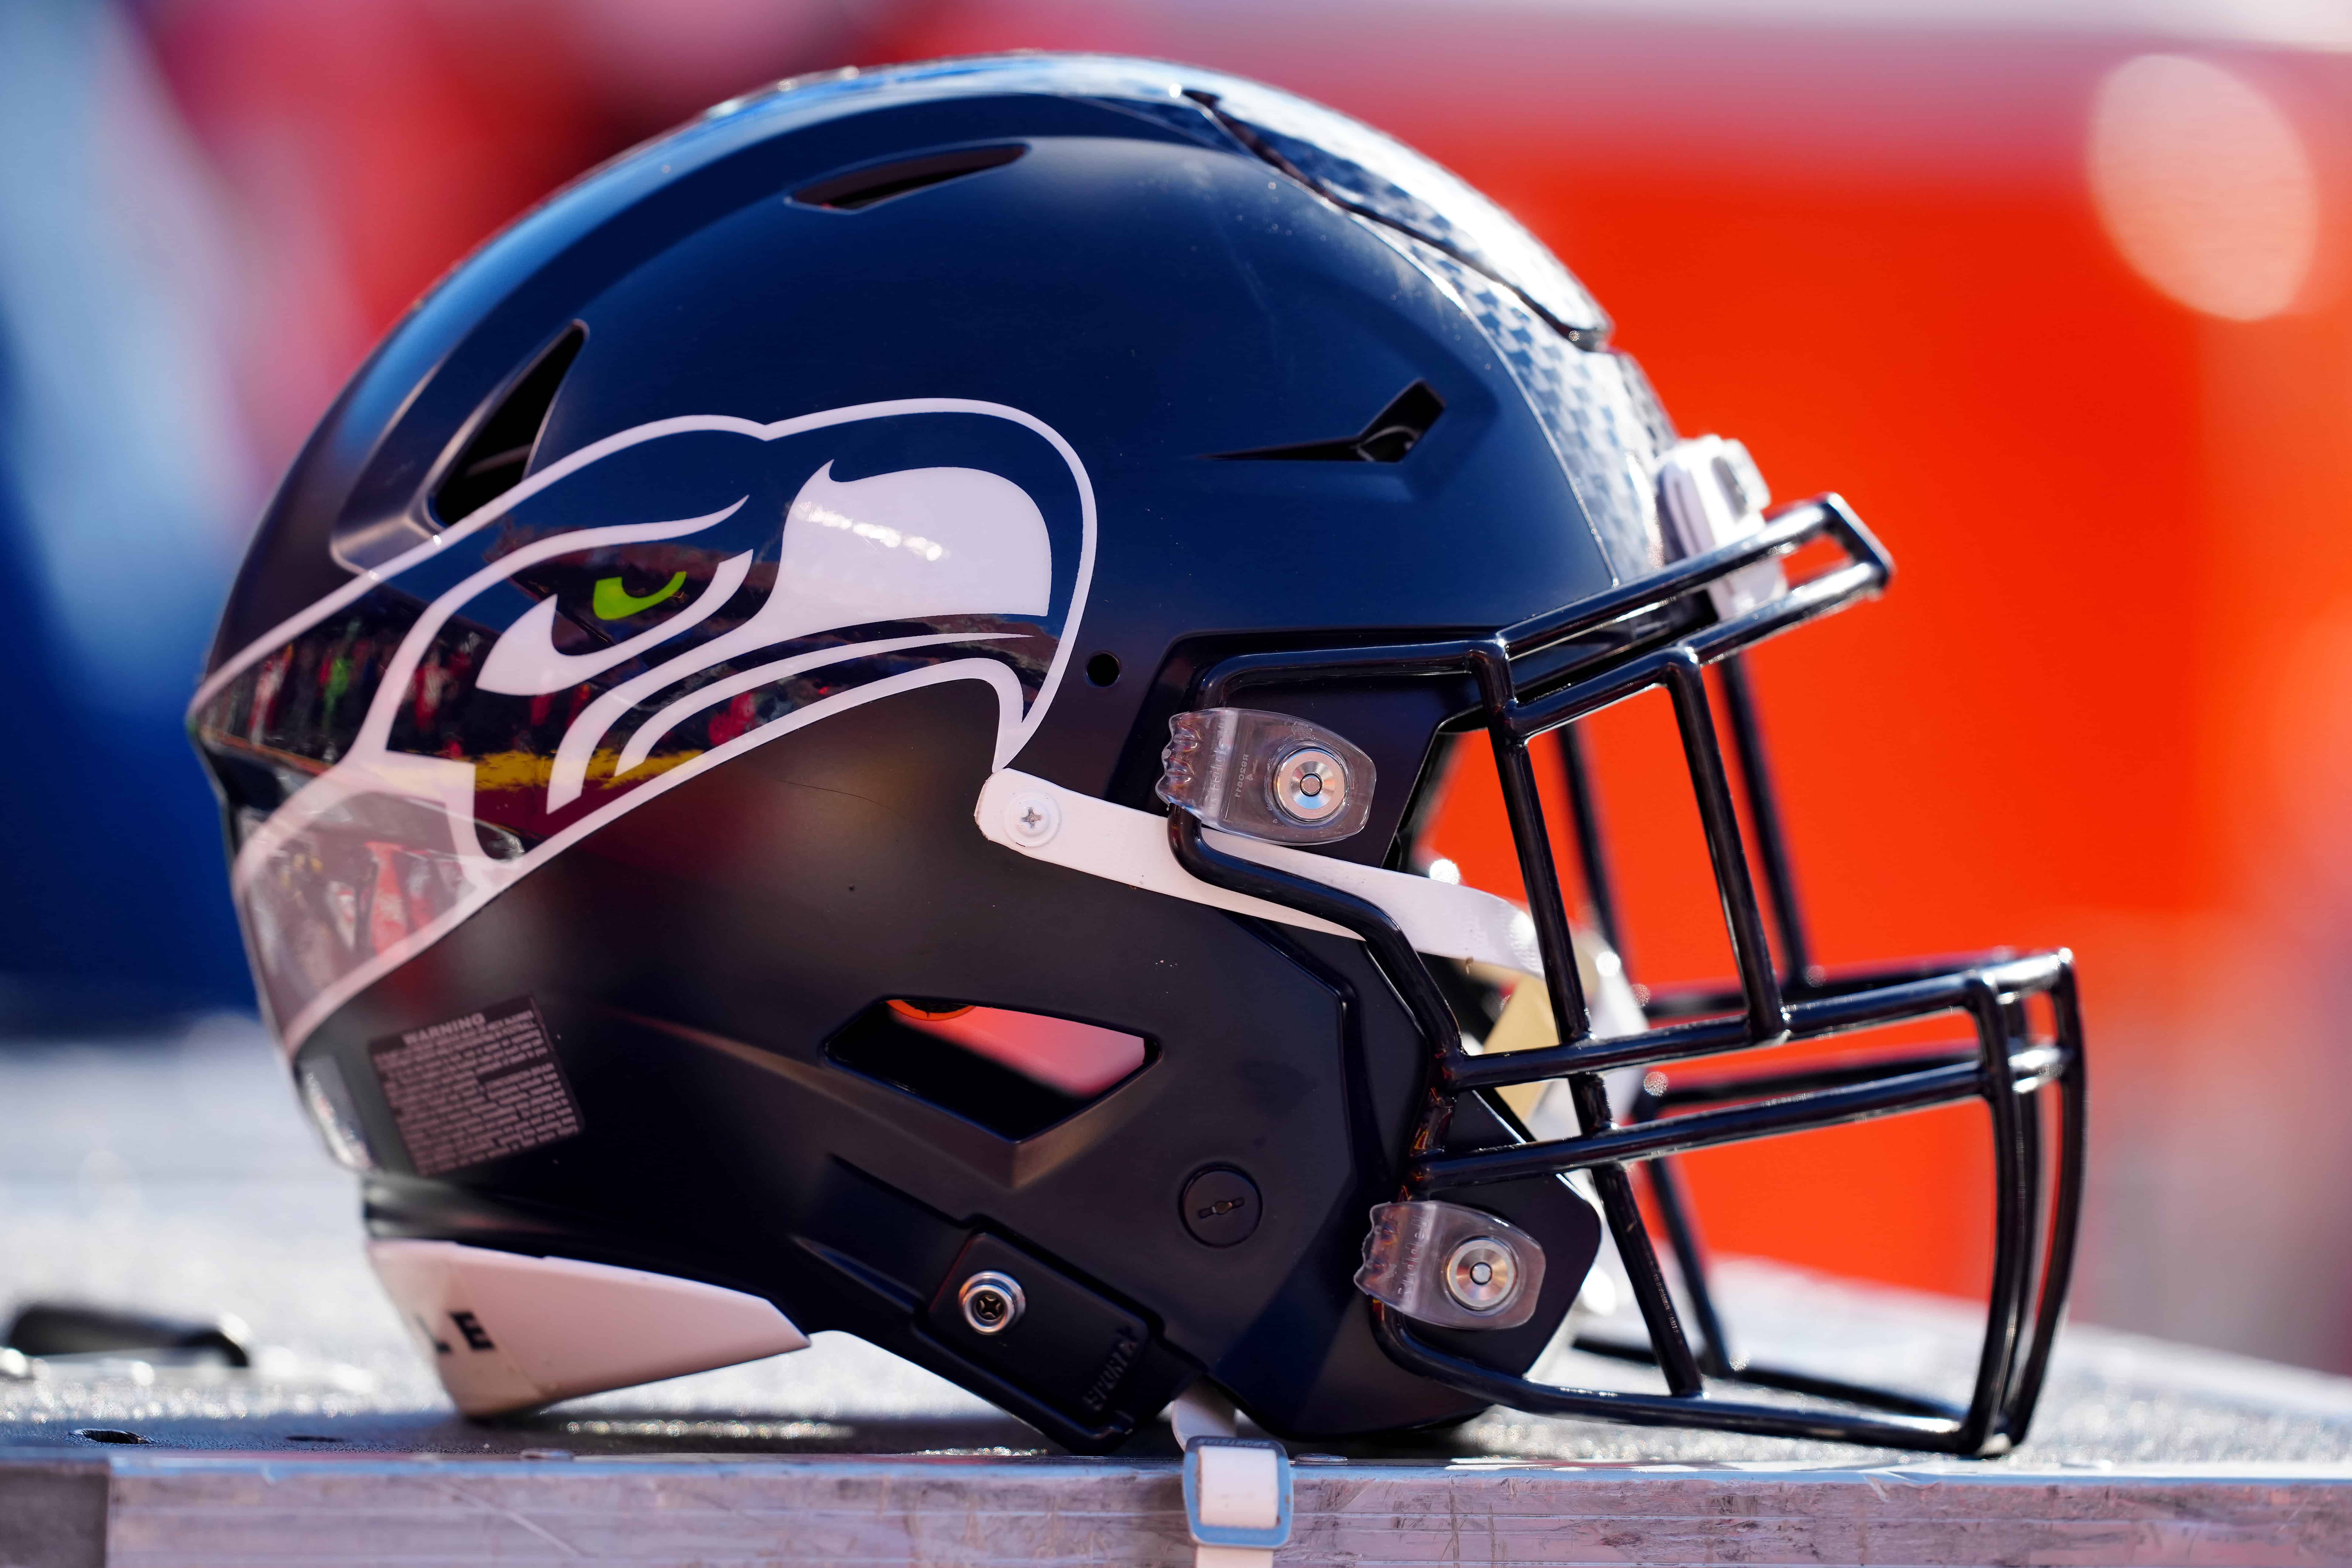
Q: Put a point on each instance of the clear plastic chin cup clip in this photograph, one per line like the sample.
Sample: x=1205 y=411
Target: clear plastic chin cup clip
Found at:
x=1451 y=1265
x=1265 y=775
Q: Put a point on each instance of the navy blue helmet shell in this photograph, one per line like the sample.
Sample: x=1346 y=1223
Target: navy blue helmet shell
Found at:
x=690 y=733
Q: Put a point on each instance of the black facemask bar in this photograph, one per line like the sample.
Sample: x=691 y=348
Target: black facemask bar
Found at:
x=1538 y=678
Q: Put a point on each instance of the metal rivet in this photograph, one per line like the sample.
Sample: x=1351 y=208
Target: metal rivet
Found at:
x=1033 y=818
x=992 y=1302
x=1482 y=1274
x=1310 y=785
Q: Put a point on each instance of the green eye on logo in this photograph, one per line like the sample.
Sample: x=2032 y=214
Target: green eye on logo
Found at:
x=615 y=602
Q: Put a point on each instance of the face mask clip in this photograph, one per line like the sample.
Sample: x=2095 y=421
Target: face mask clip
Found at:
x=1451 y=1265
x=1265 y=775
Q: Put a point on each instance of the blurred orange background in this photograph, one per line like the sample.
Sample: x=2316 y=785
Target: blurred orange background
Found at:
x=2054 y=296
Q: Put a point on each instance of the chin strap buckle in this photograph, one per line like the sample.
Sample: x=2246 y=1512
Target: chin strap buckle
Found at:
x=1236 y=1500
x=1236 y=1489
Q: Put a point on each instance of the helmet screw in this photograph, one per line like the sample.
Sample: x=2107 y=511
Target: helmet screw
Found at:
x=992 y=1302
x=1483 y=1275
x=1033 y=818
x=1310 y=785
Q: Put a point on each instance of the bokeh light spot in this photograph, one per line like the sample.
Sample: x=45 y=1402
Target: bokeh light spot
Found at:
x=2204 y=185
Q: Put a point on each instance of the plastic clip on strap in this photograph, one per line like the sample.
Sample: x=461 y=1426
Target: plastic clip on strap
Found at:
x=1236 y=1489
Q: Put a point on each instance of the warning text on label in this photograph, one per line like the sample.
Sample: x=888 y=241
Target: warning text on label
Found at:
x=474 y=1088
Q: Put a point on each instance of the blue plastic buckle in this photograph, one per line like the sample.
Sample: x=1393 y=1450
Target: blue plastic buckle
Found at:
x=1204 y=1534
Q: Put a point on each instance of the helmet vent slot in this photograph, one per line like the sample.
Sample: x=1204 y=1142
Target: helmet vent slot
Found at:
x=1013 y=1073
x=863 y=187
x=500 y=454
x=1394 y=431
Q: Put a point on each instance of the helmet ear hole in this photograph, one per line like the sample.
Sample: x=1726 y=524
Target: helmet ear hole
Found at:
x=495 y=460
x=1012 y=1072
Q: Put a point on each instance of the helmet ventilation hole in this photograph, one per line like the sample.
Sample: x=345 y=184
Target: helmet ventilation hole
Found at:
x=1394 y=431
x=1103 y=669
x=863 y=187
x=496 y=459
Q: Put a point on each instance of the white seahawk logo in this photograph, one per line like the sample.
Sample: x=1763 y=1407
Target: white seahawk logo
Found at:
x=913 y=544
x=907 y=546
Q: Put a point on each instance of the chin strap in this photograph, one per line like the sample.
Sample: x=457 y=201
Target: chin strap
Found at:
x=1236 y=1489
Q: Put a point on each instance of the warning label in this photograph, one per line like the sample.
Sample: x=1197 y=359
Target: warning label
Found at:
x=475 y=1087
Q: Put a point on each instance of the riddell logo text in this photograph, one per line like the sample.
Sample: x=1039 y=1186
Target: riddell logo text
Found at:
x=1114 y=1367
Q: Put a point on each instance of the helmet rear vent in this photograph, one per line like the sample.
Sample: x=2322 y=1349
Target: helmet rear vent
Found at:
x=863 y=187
x=496 y=459
x=1394 y=431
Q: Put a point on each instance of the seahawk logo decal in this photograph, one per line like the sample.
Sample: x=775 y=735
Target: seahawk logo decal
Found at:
x=640 y=611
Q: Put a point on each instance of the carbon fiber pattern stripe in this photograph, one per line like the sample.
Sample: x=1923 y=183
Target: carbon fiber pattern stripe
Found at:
x=1597 y=408
x=1360 y=166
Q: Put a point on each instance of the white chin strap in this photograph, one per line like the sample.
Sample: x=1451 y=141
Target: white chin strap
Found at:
x=1046 y=822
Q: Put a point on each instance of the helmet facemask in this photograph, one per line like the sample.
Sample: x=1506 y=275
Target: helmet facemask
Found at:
x=1535 y=682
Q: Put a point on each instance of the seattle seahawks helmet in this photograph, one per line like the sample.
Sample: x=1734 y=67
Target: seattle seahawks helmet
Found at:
x=839 y=732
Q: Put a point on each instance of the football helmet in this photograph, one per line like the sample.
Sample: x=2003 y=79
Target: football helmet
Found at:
x=838 y=731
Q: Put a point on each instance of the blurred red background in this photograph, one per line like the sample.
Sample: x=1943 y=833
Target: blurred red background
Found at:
x=2058 y=307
